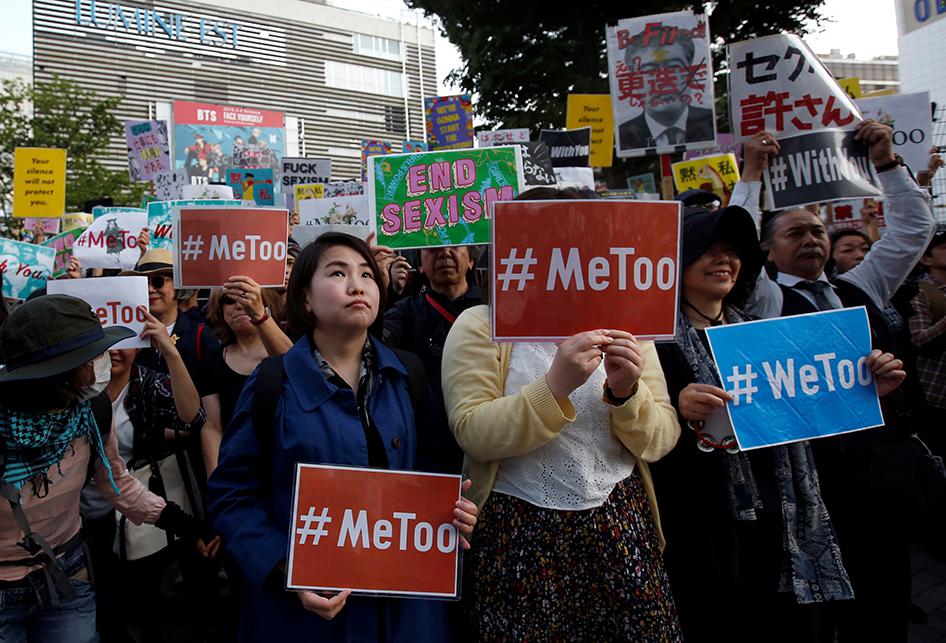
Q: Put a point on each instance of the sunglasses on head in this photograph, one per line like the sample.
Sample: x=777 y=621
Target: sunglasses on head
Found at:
x=157 y=281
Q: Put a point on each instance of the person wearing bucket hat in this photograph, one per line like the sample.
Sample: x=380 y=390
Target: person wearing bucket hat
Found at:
x=727 y=539
x=193 y=340
x=52 y=433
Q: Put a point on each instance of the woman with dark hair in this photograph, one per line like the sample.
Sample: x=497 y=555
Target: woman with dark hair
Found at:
x=242 y=315
x=56 y=429
x=557 y=439
x=344 y=399
x=742 y=528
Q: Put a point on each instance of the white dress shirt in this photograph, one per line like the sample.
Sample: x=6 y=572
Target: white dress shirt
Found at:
x=659 y=130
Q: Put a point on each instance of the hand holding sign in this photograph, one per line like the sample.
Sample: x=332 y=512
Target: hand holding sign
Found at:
x=757 y=151
x=623 y=362
x=575 y=360
x=157 y=333
x=698 y=401
x=246 y=292
x=888 y=371
x=879 y=138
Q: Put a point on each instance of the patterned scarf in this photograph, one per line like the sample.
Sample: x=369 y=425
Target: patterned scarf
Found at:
x=33 y=443
x=812 y=566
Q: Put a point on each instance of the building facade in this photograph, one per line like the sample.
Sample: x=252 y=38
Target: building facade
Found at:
x=880 y=73
x=339 y=76
x=15 y=66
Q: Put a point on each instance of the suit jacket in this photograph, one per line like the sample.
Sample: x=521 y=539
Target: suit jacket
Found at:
x=635 y=133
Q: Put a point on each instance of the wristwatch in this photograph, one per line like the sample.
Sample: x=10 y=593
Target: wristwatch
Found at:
x=261 y=320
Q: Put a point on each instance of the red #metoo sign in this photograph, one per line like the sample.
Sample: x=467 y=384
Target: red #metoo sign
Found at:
x=374 y=531
x=565 y=267
x=212 y=244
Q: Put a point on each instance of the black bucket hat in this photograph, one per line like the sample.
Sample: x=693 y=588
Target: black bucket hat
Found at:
x=695 y=197
x=51 y=335
x=734 y=224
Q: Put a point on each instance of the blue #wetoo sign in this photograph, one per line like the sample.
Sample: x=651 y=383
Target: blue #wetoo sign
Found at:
x=797 y=378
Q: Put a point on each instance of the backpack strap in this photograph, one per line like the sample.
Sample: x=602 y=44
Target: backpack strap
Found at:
x=416 y=386
x=200 y=330
x=269 y=383
x=102 y=410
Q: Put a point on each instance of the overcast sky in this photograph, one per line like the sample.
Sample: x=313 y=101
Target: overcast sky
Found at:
x=852 y=29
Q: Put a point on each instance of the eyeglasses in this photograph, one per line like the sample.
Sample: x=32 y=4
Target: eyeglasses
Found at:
x=157 y=281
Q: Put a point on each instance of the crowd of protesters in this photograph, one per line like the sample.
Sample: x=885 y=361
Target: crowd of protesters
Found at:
x=595 y=505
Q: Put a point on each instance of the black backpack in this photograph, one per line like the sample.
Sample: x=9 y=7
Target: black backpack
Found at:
x=272 y=375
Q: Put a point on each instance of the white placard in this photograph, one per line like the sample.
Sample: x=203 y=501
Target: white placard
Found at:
x=115 y=300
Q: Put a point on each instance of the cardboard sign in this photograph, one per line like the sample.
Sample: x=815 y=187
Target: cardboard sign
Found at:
x=851 y=87
x=160 y=217
x=101 y=210
x=207 y=192
x=778 y=85
x=725 y=144
x=580 y=178
x=847 y=215
x=339 y=210
x=116 y=301
x=441 y=198
x=306 y=192
x=48 y=226
x=39 y=182
x=62 y=244
x=209 y=139
x=371 y=148
x=502 y=137
x=344 y=188
x=211 y=244
x=797 y=378
x=819 y=167
x=410 y=147
x=296 y=171
x=568 y=148
x=661 y=75
x=24 y=267
x=564 y=267
x=716 y=174
x=148 y=149
x=537 y=164
x=374 y=531
x=449 y=122
x=593 y=110
x=73 y=220
x=909 y=115
x=254 y=184
x=111 y=241
x=642 y=184
x=170 y=185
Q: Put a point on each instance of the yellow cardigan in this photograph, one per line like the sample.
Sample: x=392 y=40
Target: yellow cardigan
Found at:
x=490 y=426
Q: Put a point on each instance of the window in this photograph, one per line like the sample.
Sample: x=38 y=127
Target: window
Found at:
x=376 y=46
x=364 y=79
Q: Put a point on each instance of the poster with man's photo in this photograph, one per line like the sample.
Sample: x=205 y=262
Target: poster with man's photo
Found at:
x=661 y=75
x=210 y=139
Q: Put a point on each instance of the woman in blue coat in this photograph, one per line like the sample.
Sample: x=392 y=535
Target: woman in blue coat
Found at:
x=345 y=400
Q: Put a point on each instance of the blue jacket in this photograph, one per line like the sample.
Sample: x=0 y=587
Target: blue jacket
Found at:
x=249 y=501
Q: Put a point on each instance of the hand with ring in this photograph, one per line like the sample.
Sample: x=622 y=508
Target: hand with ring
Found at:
x=249 y=295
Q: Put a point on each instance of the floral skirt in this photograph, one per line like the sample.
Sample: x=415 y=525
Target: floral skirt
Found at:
x=536 y=574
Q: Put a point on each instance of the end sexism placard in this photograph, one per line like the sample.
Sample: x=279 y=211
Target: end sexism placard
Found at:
x=797 y=378
x=441 y=198
x=374 y=531
x=213 y=244
x=565 y=267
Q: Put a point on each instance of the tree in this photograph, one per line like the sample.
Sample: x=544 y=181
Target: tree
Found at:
x=61 y=114
x=523 y=58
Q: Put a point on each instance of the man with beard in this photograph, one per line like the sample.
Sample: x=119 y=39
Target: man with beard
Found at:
x=420 y=324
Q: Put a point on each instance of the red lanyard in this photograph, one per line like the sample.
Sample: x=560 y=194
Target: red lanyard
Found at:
x=440 y=309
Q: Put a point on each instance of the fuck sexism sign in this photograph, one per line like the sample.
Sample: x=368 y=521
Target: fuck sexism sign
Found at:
x=374 y=531
x=797 y=378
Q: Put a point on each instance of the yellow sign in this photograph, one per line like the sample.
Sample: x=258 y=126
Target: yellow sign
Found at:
x=879 y=92
x=717 y=174
x=39 y=182
x=594 y=110
x=851 y=86
x=72 y=220
x=305 y=191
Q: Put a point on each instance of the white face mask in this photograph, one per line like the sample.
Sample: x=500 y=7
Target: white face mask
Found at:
x=103 y=375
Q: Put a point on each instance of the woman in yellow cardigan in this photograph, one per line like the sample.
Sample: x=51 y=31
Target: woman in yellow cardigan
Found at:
x=557 y=439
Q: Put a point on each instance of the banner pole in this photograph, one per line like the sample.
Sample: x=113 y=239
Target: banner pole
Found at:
x=666 y=178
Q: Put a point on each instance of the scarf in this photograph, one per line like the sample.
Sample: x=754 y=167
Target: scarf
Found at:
x=34 y=442
x=812 y=568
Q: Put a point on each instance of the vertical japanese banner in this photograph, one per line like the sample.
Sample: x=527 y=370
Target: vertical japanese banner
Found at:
x=449 y=122
x=593 y=110
x=717 y=174
x=148 y=150
x=661 y=75
x=369 y=148
x=441 y=198
x=779 y=86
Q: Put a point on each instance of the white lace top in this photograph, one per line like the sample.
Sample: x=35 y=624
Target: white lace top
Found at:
x=579 y=468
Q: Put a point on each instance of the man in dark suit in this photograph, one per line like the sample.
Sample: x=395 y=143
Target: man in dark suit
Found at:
x=668 y=118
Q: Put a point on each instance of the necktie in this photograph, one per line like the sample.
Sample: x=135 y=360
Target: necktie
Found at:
x=817 y=288
x=675 y=136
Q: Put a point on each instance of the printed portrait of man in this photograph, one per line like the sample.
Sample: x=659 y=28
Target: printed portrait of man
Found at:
x=667 y=77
